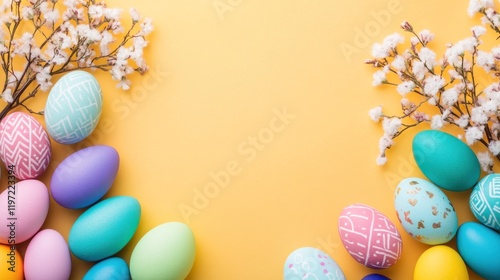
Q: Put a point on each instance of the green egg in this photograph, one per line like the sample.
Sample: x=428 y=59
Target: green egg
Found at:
x=166 y=252
x=445 y=160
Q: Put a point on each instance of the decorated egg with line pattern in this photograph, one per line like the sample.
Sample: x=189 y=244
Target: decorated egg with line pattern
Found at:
x=24 y=145
x=73 y=107
x=369 y=236
x=311 y=263
x=425 y=212
x=485 y=201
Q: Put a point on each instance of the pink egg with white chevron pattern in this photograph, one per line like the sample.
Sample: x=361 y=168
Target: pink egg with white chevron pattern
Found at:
x=369 y=236
x=24 y=145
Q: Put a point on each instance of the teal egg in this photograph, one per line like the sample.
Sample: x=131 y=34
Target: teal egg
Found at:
x=479 y=247
x=425 y=212
x=105 y=228
x=73 y=107
x=445 y=160
x=485 y=201
x=112 y=268
x=165 y=252
x=311 y=263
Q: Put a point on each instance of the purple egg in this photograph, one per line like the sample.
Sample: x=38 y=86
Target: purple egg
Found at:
x=375 y=276
x=85 y=176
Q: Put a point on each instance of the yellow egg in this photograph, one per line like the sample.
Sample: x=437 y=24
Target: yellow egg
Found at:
x=438 y=263
x=11 y=264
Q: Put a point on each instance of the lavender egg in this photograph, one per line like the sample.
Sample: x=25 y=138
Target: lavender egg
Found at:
x=84 y=177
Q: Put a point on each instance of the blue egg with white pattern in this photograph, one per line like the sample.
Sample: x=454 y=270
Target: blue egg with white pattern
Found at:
x=484 y=201
x=73 y=107
x=311 y=263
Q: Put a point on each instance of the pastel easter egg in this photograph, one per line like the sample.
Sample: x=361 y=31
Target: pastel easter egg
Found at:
x=479 y=247
x=165 y=252
x=445 y=160
x=104 y=228
x=47 y=257
x=11 y=263
x=73 y=107
x=24 y=146
x=369 y=236
x=438 y=263
x=485 y=201
x=26 y=205
x=425 y=212
x=112 y=268
x=375 y=276
x=311 y=263
x=85 y=176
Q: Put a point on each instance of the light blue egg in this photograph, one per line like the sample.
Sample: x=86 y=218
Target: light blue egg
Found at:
x=445 y=160
x=425 y=212
x=479 y=247
x=105 y=228
x=311 y=263
x=112 y=268
x=485 y=201
x=73 y=107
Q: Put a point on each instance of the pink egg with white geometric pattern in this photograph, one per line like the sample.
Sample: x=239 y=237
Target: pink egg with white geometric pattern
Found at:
x=24 y=145
x=369 y=236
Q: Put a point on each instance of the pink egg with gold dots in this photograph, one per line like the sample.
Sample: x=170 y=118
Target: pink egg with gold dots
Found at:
x=369 y=236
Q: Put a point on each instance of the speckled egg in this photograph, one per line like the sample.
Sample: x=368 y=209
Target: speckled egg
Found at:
x=37 y=264
x=24 y=145
x=445 y=160
x=25 y=206
x=73 y=107
x=104 y=228
x=369 y=236
x=485 y=201
x=479 y=247
x=425 y=212
x=85 y=176
x=311 y=263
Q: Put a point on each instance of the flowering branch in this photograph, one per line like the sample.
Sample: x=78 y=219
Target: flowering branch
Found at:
x=86 y=35
x=448 y=86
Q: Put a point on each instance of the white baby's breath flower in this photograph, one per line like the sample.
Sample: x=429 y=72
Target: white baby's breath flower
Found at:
x=134 y=14
x=381 y=160
x=379 y=51
x=426 y=36
x=433 y=84
x=43 y=78
x=384 y=143
x=478 y=116
x=463 y=121
x=485 y=60
x=476 y=6
x=112 y=14
x=391 y=125
x=96 y=11
x=478 y=30
x=379 y=77
x=485 y=161
x=473 y=133
x=7 y=95
x=494 y=147
x=146 y=27
x=428 y=57
x=399 y=63
x=419 y=70
x=450 y=96
x=405 y=87
x=437 y=122
x=376 y=113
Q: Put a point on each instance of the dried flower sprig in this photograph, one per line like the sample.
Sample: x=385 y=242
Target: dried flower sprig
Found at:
x=448 y=86
x=40 y=39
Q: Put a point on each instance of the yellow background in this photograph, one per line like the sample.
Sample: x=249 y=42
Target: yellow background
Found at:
x=217 y=77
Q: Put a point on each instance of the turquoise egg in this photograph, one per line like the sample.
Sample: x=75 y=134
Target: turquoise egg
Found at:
x=425 y=212
x=311 y=263
x=485 y=201
x=105 y=228
x=165 y=252
x=479 y=247
x=112 y=268
x=445 y=160
x=73 y=107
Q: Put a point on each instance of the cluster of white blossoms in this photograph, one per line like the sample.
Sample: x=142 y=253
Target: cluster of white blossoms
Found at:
x=43 y=38
x=447 y=85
